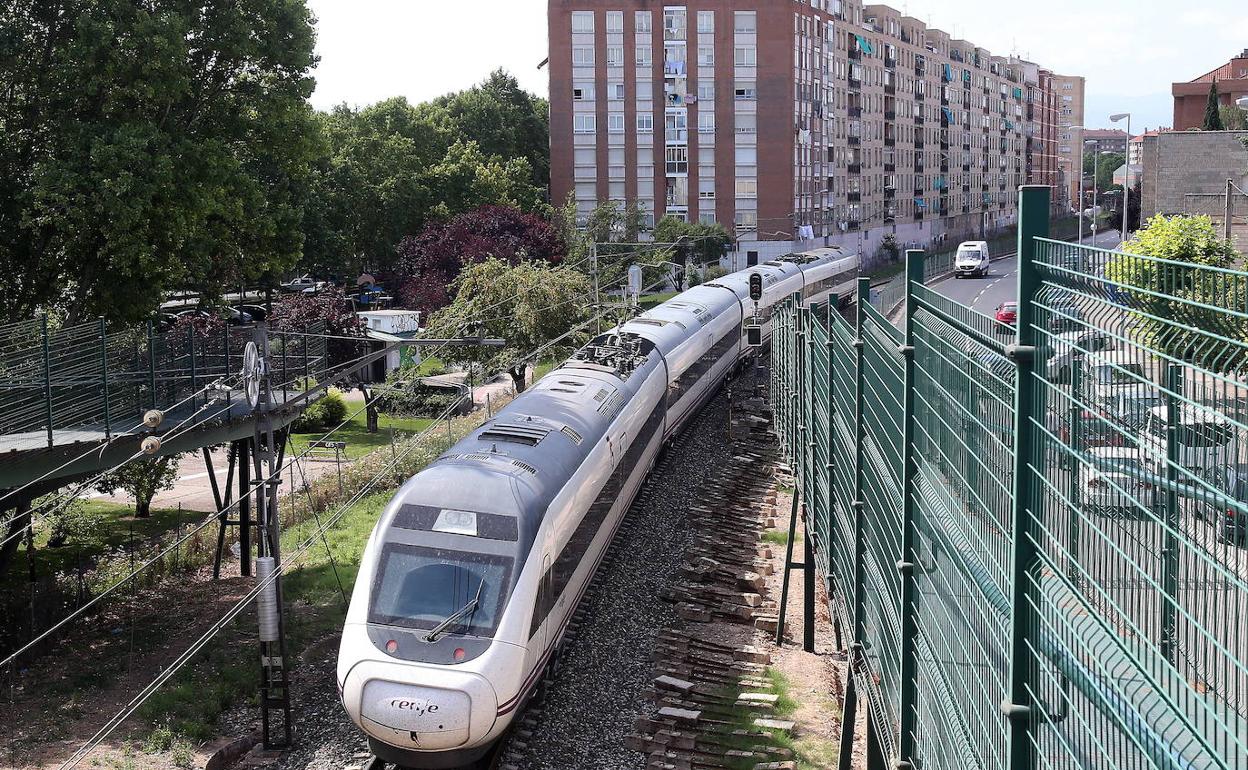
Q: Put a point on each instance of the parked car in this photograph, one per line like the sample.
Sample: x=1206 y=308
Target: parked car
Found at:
x=1206 y=439
x=1230 y=517
x=1065 y=316
x=1131 y=406
x=1007 y=312
x=257 y=312
x=1067 y=346
x=1119 y=481
x=1113 y=372
x=971 y=259
x=299 y=284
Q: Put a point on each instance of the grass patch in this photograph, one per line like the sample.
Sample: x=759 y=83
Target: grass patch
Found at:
x=112 y=527
x=543 y=368
x=809 y=753
x=430 y=365
x=359 y=441
x=776 y=536
x=651 y=300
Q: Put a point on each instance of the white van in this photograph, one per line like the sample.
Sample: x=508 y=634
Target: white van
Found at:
x=972 y=259
x=1206 y=439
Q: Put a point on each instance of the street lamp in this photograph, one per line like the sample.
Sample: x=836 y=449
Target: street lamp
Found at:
x=1086 y=142
x=1126 y=180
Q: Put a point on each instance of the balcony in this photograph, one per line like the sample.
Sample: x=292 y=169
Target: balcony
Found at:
x=890 y=88
x=919 y=120
x=890 y=168
x=919 y=144
x=890 y=114
x=853 y=141
x=890 y=141
x=918 y=166
x=890 y=61
x=855 y=112
x=920 y=70
x=918 y=191
x=853 y=197
x=854 y=168
x=851 y=224
x=889 y=193
x=855 y=54
x=855 y=84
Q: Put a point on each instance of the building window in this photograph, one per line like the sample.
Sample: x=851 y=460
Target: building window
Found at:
x=615 y=122
x=747 y=188
x=706 y=217
x=745 y=91
x=615 y=21
x=674 y=24
x=706 y=56
x=706 y=92
x=677 y=159
x=582 y=21
x=582 y=56
x=744 y=21
x=706 y=184
x=746 y=56
x=644 y=56
x=645 y=123
x=583 y=123
x=583 y=93
x=706 y=122
x=615 y=91
x=642 y=22
x=747 y=220
x=645 y=90
x=706 y=21
x=615 y=56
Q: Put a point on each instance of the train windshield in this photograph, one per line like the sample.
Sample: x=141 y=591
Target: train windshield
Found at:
x=419 y=587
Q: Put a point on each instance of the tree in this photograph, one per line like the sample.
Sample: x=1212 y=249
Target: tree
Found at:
x=693 y=241
x=149 y=146
x=1234 y=118
x=1213 y=114
x=528 y=304
x=1105 y=165
x=142 y=479
x=429 y=261
x=392 y=168
x=328 y=312
x=503 y=119
x=1178 y=308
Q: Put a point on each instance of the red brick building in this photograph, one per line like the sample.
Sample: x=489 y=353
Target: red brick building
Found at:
x=813 y=122
x=1191 y=97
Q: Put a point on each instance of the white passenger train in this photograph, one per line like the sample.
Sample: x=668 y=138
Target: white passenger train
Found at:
x=475 y=566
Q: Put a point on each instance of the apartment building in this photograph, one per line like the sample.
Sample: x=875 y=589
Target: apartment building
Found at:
x=1107 y=139
x=1069 y=94
x=797 y=124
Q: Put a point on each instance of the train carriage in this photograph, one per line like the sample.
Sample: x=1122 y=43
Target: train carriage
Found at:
x=476 y=565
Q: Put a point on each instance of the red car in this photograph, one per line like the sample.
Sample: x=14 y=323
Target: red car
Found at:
x=1007 y=312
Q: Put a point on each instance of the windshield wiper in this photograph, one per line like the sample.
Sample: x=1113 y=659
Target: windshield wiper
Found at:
x=455 y=617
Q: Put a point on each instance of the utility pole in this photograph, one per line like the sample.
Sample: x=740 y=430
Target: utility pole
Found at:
x=266 y=462
x=593 y=272
x=1226 y=222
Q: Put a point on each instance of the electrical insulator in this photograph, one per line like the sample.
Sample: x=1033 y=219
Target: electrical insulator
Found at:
x=153 y=417
x=151 y=445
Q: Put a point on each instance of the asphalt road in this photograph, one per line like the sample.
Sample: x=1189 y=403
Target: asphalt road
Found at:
x=1001 y=283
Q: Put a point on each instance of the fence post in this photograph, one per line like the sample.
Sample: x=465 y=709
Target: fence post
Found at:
x=47 y=376
x=829 y=438
x=905 y=565
x=151 y=362
x=1019 y=708
x=1170 y=551
x=860 y=569
x=108 y=421
x=194 y=371
x=1075 y=437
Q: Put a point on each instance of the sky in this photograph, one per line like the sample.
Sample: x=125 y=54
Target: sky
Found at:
x=1130 y=51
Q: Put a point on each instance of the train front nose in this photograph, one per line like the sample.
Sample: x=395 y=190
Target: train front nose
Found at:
x=415 y=717
x=420 y=708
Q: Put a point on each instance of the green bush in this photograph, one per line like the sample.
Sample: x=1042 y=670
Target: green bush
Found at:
x=322 y=414
x=404 y=395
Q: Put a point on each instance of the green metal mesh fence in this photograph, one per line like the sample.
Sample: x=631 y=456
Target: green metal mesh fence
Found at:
x=1035 y=537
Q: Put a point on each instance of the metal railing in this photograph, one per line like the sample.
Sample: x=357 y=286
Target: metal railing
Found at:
x=68 y=384
x=1033 y=535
